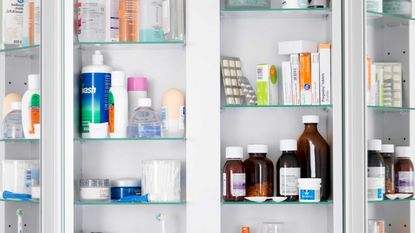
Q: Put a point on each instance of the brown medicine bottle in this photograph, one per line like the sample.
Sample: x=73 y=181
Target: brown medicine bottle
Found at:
x=259 y=172
x=387 y=154
x=404 y=170
x=234 y=175
x=288 y=170
x=313 y=153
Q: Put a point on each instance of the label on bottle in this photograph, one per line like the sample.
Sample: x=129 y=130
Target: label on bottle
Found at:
x=224 y=184
x=149 y=131
x=307 y=194
x=405 y=182
x=34 y=113
x=182 y=117
x=173 y=124
x=289 y=181
x=28 y=179
x=238 y=184
x=111 y=113
x=376 y=172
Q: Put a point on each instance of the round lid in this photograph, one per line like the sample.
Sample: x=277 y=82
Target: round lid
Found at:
x=311 y=119
x=309 y=181
x=388 y=148
x=257 y=149
x=97 y=58
x=144 y=102
x=117 y=78
x=288 y=145
x=234 y=152
x=16 y=105
x=126 y=182
x=33 y=81
x=137 y=84
x=403 y=151
x=374 y=144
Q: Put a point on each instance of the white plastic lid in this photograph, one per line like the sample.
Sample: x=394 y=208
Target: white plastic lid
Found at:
x=126 y=182
x=234 y=152
x=309 y=182
x=144 y=102
x=403 y=152
x=288 y=145
x=97 y=58
x=311 y=119
x=374 y=144
x=388 y=148
x=375 y=182
x=117 y=79
x=257 y=149
x=16 y=106
x=33 y=81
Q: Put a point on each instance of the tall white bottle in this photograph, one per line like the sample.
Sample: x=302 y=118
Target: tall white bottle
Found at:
x=31 y=108
x=118 y=106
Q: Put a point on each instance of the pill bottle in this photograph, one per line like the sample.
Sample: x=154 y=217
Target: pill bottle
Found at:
x=259 y=172
x=404 y=170
x=234 y=177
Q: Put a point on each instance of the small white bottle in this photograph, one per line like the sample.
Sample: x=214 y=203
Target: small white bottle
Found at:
x=118 y=109
x=173 y=113
x=31 y=108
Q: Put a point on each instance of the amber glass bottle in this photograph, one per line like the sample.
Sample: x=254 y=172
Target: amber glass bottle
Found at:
x=234 y=175
x=387 y=154
x=404 y=170
x=259 y=172
x=288 y=170
x=313 y=153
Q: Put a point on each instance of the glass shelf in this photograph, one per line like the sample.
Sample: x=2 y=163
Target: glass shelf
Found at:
x=19 y=201
x=277 y=106
x=129 y=45
x=109 y=203
x=129 y=139
x=384 y=108
x=10 y=49
x=277 y=12
x=392 y=201
x=19 y=140
x=276 y=203
x=387 y=19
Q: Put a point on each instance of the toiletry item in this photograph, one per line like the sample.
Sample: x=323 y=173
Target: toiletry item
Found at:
x=287 y=85
x=125 y=187
x=231 y=71
x=31 y=108
x=272 y=227
x=374 y=5
x=267 y=84
x=16 y=196
x=173 y=113
x=387 y=155
x=112 y=16
x=137 y=89
x=35 y=185
x=325 y=73
x=12 y=22
x=294 y=4
x=259 y=172
x=315 y=78
x=297 y=47
x=8 y=100
x=375 y=188
x=93 y=20
x=309 y=189
x=96 y=82
x=95 y=189
x=305 y=79
x=234 y=177
x=128 y=20
x=318 y=4
x=17 y=175
x=295 y=74
x=137 y=198
x=376 y=226
x=376 y=164
x=399 y=7
x=173 y=19
x=151 y=20
x=11 y=127
x=248 y=3
x=31 y=22
x=118 y=106
x=288 y=170
x=98 y=130
x=404 y=170
x=144 y=123
x=19 y=213
x=313 y=153
x=245 y=229
x=161 y=180
x=162 y=218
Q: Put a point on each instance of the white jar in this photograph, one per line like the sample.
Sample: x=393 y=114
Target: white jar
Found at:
x=376 y=188
x=309 y=189
x=294 y=4
x=95 y=190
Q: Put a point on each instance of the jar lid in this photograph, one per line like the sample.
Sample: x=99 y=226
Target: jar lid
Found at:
x=311 y=119
x=403 y=152
x=374 y=144
x=95 y=182
x=257 y=149
x=309 y=182
x=288 y=145
x=234 y=152
x=126 y=182
x=375 y=182
x=388 y=148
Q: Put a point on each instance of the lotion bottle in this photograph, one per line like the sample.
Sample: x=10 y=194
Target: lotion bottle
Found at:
x=118 y=106
x=31 y=108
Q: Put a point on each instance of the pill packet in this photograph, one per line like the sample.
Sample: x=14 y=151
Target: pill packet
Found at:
x=248 y=91
x=230 y=71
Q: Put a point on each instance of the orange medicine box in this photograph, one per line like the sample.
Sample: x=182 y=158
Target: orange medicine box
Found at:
x=305 y=78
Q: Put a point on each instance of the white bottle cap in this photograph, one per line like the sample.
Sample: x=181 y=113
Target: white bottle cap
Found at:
x=288 y=145
x=257 y=149
x=403 y=151
x=311 y=119
x=117 y=79
x=97 y=58
x=33 y=81
x=388 y=148
x=234 y=152
x=16 y=106
x=374 y=144
x=144 y=102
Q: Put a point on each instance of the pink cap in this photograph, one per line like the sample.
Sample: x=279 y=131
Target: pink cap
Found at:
x=137 y=84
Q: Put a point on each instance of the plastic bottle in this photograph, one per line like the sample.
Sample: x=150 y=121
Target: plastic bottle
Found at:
x=144 y=123
x=118 y=110
x=8 y=101
x=93 y=21
x=387 y=154
x=404 y=170
x=128 y=20
x=12 y=124
x=234 y=177
x=173 y=19
x=137 y=89
x=173 y=113
x=31 y=108
x=151 y=20
x=288 y=170
x=96 y=82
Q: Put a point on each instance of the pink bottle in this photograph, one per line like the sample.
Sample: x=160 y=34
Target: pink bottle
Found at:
x=137 y=88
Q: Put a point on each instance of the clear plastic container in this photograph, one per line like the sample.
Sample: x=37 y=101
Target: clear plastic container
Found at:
x=12 y=124
x=95 y=189
x=144 y=123
x=400 y=7
x=248 y=3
